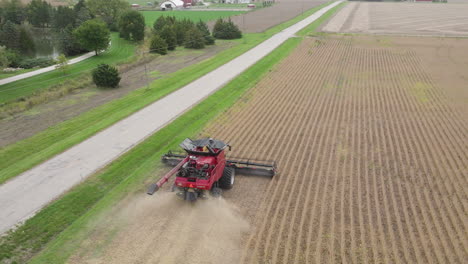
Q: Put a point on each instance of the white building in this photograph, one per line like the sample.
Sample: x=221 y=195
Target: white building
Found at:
x=172 y=4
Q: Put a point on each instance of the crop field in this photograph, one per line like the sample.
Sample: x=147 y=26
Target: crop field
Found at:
x=372 y=152
x=401 y=19
x=373 y=157
x=151 y=16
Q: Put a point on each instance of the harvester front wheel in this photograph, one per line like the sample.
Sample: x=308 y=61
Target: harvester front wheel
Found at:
x=227 y=180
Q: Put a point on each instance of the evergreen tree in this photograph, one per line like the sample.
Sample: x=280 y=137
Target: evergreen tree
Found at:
x=226 y=30
x=39 y=13
x=159 y=24
x=26 y=42
x=13 y=11
x=209 y=40
x=158 y=45
x=194 y=39
x=63 y=17
x=180 y=31
x=82 y=15
x=168 y=34
x=10 y=35
x=106 y=75
x=132 y=25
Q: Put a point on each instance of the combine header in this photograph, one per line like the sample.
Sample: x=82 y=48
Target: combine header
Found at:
x=204 y=167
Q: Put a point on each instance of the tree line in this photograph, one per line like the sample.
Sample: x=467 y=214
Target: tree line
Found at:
x=169 y=32
x=76 y=29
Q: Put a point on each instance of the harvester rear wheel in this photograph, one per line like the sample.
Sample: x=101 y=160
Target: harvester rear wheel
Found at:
x=227 y=180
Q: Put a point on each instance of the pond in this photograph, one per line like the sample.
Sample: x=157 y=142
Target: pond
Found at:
x=46 y=44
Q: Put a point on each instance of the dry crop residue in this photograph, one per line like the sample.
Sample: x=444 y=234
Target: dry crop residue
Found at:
x=372 y=154
x=164 y=229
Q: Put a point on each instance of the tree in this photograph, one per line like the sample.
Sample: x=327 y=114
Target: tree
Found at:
x=226 y=30
x=80 y=5
x=168 y=34
x=181 y=27
x=93 y=35
x=13 y=11
x=108 y=10
x=106 y=75
x=10 y=35
x=68 y=42
x=62 y=63
x=180 y=32
x=159 y=23
x=63 y=17
x=26 y=42
x=194 y=39
x=39 y=13
x=132 y=25
x=4 y=59
x=82 y=16
x=158 y=45
x=203 y=27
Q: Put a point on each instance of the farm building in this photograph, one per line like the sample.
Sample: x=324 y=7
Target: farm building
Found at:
x=236 y=1
x=172 y=4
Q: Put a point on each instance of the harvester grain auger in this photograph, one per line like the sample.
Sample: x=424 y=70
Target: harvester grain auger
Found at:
x=204 y=167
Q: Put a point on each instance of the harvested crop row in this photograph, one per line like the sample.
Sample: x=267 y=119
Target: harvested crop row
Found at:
x=371 y=152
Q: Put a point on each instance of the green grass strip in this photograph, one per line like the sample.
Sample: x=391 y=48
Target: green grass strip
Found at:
x=69 y=216
x=139 y=164
x=119 y=51
x=195 y=16
x=23 y=155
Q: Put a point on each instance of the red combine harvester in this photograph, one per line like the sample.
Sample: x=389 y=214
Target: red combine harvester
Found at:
x=204 y=167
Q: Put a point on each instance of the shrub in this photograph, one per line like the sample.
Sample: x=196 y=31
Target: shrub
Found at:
x=194 y=39
x=158 y=45
x=168 y=34
x=4 y=60
x=36 y=62
x=226 y=30
x=106 y=76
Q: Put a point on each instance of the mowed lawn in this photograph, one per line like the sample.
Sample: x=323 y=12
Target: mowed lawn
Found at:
x=151 y=16
x=119 y=51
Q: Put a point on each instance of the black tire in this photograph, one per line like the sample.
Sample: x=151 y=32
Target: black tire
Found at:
x=227 y=180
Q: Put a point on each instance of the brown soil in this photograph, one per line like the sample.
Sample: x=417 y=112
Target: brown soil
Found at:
x=29 y=123
x=265 y=18
x=372 y=146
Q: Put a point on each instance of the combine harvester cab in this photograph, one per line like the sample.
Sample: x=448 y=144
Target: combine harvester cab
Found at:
x=204 y=167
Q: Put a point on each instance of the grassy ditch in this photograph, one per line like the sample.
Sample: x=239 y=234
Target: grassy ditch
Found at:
x=69 y=216
x=23 y=155
x=119 y=51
